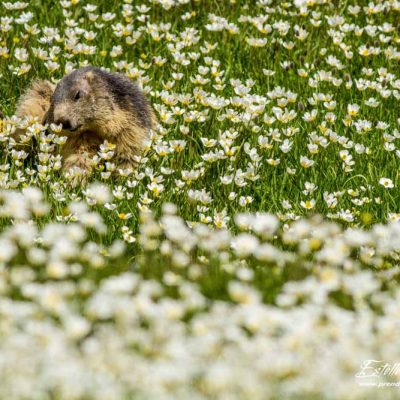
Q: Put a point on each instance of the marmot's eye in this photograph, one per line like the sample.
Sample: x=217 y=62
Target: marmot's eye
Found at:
x=78 y=95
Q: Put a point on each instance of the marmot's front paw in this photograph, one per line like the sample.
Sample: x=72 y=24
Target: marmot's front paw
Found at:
x=77 y=170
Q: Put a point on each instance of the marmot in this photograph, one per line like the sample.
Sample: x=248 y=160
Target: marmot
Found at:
x=92 y=105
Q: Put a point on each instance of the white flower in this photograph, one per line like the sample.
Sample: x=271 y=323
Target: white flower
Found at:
x=98 y=193
x=386 y=183
x=7 y=250
x=244 y=244
x=76 y=327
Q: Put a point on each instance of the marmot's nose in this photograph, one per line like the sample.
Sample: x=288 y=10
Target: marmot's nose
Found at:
x=66 y=124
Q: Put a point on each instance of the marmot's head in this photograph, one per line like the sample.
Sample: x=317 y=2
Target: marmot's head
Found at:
x=88 y=98
x=79 y=102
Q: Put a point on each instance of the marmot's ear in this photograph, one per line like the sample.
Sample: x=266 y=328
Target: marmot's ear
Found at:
x=87 y=82
x=90 y=76
x=84 y=88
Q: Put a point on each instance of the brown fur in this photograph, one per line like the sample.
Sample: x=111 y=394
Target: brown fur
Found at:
x=95 y=117
x=34 y=102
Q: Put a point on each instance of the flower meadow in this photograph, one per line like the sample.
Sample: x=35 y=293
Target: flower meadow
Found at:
x=254 y=253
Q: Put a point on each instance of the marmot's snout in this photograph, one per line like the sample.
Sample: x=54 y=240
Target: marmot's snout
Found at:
x=65 y=124
x=66 y=115
x=67 y=119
